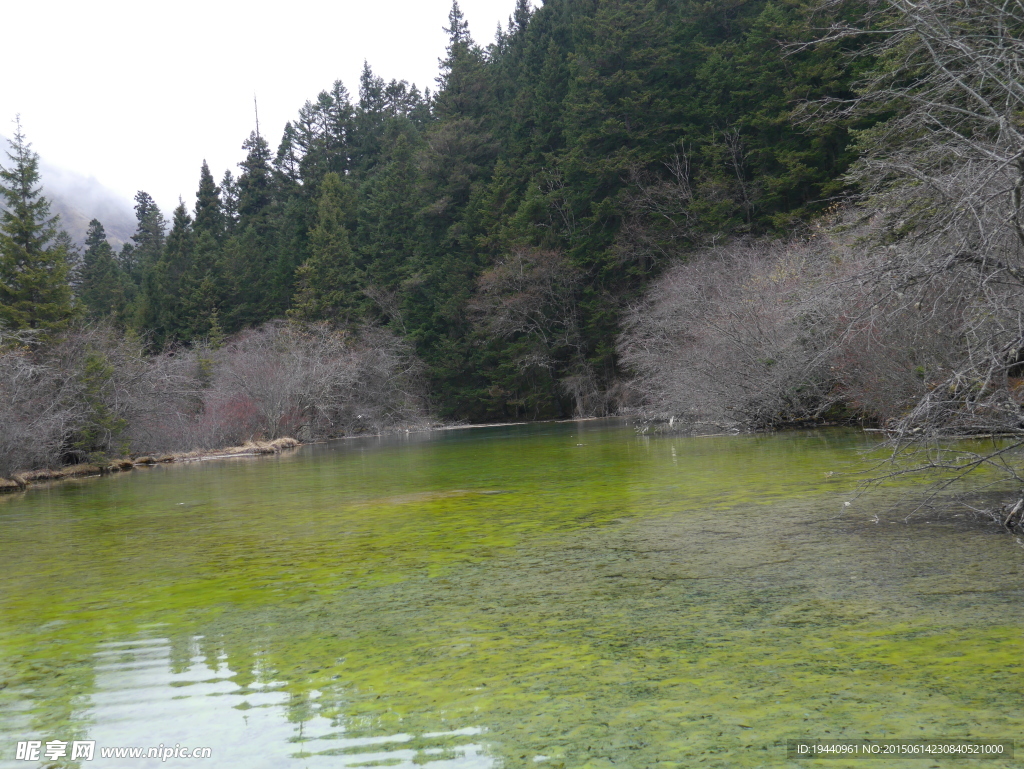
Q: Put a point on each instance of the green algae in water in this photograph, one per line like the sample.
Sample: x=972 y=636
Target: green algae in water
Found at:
x=553 y=595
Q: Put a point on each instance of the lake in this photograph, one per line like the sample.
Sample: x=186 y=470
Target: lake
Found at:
x=548 y=595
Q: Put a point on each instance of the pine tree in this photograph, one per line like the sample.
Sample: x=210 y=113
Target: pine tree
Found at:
x=209 y=215
x=229 y=201
x=101 y=290
x=255 y=183
x=148 y=237
x=328 y=282
x=35 y=292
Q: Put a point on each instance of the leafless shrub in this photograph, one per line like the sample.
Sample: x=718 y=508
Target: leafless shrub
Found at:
x=170 y=403
x=288 y=379
x=94 y=395
x=35 y=420
x=893 y=348
x=738 y=336
x=66 y=402
x=589 y=398
x=389 y=388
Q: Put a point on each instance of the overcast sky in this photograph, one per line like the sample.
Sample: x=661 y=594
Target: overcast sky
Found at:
x=137 y=94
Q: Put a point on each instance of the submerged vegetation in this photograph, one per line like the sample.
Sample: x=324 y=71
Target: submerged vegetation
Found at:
x=631 y=601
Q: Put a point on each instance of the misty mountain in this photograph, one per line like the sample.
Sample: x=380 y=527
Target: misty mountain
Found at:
x=78 y=199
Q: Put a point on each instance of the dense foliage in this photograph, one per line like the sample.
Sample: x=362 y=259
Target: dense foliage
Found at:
x=503 y=223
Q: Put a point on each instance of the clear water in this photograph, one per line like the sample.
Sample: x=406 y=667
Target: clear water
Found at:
x=558 y=595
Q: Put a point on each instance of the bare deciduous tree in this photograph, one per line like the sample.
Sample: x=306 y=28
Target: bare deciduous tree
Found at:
x=946 y=174
x=738 y=336
x=659 y=222
x=531 y=292
x=532 y=296
x=93 y=394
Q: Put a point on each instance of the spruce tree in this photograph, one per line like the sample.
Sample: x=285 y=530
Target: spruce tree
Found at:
x=160 y=310
x=368 y=123
x=289 y=155
x=35 y=292
x=389 y=222
x=201 y=287
x=209 y=213
x=229 y=201
x=252 y=260
x=148 y=238
x=255 y=183
x=461 y=71
x=328 y=282
x=176 y=263
x=322 y=134
x=101 y=290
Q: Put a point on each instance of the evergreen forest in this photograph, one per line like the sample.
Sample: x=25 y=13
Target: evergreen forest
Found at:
x=722 y=216
x=502 y=222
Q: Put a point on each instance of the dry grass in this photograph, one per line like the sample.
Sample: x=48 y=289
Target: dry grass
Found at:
x=250 y=448
x=77 y=471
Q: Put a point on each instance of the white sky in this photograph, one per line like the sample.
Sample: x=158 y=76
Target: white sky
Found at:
x=137 y=94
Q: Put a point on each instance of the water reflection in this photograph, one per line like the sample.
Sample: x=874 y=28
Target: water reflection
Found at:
x=142 y=693
x=552 y=595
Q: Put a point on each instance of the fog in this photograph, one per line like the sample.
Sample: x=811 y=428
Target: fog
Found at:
x=139 y=94
x=78 y=199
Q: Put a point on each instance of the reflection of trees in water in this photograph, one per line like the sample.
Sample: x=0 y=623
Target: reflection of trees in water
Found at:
x=392 y=594
x=45 y=697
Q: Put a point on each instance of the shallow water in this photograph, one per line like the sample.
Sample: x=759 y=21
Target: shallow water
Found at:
x=548 y=595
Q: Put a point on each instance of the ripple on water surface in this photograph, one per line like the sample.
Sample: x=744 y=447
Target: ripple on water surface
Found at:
x=552 y=595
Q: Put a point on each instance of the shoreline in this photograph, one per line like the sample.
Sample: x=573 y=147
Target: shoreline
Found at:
x=23 y=480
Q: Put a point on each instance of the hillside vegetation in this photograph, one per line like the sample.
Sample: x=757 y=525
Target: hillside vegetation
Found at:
x=742 y=213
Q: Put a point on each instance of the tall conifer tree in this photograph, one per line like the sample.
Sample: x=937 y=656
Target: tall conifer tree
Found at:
x=459 y=80
x=209 y=215
x=255 y=183
x=102 y=289
x=148 y=239
x=328 y=282
x=229 y=201
x=35 y=292
x=252 y=255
